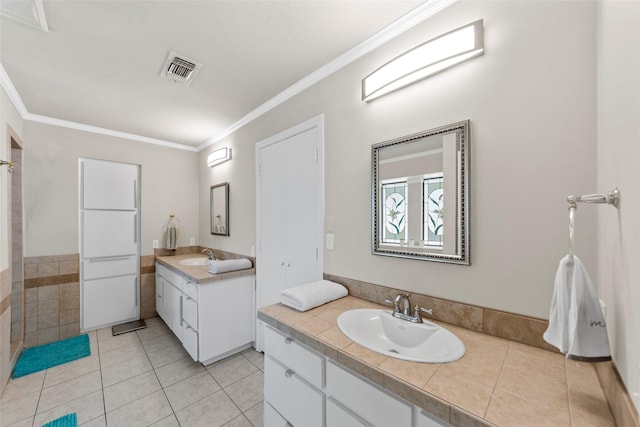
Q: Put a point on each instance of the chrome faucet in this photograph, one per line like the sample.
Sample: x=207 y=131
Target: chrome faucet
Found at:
x=209 y=252
x=402 y=308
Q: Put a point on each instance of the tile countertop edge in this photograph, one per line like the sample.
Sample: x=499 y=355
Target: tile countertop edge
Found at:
x=421 y=398
x=199 y=274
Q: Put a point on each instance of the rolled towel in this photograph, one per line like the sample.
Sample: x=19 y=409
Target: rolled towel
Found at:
x=225 y=265
x=310 y=295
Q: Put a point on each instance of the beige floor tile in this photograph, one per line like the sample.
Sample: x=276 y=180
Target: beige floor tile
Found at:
x=69 y=390
x=177 y=371
x=255 y=357
x=214 y=410
x=170 y=421
x=27 y=422
x=153 y=330
x=71 y=370
x=128 y=367
x=130 y=390
x=190 y=390
x=86 y=408
x=107 y=342
x=116 y=356
x=239 y=421
x=24 y=385
x=161 y=342
x=255 y=415
x=101 y=421
x=247 y=392
x=142 y=412
x=231 y=369
x=167 y=355
x=14 y=410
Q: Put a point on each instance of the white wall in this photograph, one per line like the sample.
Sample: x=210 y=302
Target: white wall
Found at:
x=169 y=185
x=619 y=166
x=531 y=100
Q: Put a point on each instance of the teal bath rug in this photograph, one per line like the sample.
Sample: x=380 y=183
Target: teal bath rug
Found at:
x=69 y=420
x=45 y=356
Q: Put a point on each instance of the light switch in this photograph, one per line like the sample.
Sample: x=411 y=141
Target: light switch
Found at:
x=330 y=241
x=192 y=241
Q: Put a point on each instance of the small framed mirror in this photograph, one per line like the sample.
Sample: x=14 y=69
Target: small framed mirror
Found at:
x=420 y=195
x=219 y=199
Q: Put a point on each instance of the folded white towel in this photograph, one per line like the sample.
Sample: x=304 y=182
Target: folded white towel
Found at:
x=310 y=295
x=225 y=265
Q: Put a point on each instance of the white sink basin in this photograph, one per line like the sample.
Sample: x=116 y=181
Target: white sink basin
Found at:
x=194 y=261
x=379 y=331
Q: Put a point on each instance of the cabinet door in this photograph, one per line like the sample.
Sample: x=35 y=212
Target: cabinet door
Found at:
x=176 y=310
x=159 y=299
x=109 y=301
x=109 y=185
x=302 y=226
x=109 y=233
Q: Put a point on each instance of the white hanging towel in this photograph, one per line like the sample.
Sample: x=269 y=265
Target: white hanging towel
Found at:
x=576 y=325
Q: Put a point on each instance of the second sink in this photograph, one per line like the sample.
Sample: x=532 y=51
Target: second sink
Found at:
x=379 y=331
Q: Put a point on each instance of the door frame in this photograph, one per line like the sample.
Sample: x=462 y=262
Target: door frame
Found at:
x=316 y=123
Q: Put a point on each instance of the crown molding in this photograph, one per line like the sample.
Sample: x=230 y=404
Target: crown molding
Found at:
x=15 y=99
x=406 y=22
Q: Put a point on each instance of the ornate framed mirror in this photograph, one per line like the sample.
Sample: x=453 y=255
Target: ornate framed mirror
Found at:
x=420 y=195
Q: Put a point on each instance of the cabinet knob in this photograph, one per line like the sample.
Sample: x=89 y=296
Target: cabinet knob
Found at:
x=282 y=263
x=288 y=373
x=288 y=340
x=289 y=264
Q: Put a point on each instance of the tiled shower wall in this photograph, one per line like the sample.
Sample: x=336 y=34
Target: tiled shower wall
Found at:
x=52 y=296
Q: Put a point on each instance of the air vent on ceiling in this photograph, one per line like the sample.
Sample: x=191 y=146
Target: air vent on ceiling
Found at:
x=180 y=68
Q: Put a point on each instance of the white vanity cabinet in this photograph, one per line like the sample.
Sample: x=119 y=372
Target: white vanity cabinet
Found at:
x=304 y=388
x=293 y=380
x=212 y=320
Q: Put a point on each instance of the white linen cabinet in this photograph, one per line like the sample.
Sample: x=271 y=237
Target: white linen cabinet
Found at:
x=109 y=231
x=289 y=212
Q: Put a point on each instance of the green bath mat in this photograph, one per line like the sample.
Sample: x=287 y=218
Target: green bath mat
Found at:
x=69 y=420
x=45 y=356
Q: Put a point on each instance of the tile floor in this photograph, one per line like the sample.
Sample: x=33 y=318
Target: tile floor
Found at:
x=140 y=378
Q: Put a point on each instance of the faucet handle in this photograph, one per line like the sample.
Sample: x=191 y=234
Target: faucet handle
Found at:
x=417 y=310
x=396 y=305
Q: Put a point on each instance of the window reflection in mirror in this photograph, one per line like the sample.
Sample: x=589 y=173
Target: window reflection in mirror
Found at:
x=420 y=199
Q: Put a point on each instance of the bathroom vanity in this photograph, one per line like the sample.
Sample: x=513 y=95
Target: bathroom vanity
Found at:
x=316 y=376
x=212 y=315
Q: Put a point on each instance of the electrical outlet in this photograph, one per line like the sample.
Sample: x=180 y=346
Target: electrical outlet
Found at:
x=192 y=241
x=330 y=241
x=156 y=244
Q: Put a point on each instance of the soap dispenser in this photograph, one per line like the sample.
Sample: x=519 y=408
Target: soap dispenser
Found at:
x=173 y=227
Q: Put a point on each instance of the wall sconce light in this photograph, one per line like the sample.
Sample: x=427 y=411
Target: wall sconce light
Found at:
x=9 y=164
x=219 y=156
x=425 y=60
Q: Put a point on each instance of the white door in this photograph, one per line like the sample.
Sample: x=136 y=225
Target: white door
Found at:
x=109 y=185
x=289 y=212
x=119 y=294
x=109 y=240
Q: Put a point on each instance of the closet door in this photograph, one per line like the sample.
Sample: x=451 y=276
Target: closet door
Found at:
x=289 y=212
x=109 y=185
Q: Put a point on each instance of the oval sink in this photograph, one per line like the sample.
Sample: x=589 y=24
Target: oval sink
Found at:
x=194 y=261
x=379 y=331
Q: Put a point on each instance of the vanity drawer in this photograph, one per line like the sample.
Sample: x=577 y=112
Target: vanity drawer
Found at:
x=337 y=415
x=366 y=399
x=190 y=289
x=190 y=311
x=299 y=402
x=190 y=340
x=169 y=275
x=303 y=361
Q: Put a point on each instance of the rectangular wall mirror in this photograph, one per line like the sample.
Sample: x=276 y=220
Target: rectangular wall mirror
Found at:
x=420 y=195
x=219 y=199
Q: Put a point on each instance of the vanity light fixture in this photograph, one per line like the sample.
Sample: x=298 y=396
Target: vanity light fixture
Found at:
x=425 y=60
x=219 y=156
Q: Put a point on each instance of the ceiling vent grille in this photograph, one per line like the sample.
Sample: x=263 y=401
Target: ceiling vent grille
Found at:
x=180 y=69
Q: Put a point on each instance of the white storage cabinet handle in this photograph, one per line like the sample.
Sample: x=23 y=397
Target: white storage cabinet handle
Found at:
x=288 y=373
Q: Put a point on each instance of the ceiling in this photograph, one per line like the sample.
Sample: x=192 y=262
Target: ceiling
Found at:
x=100 y=62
